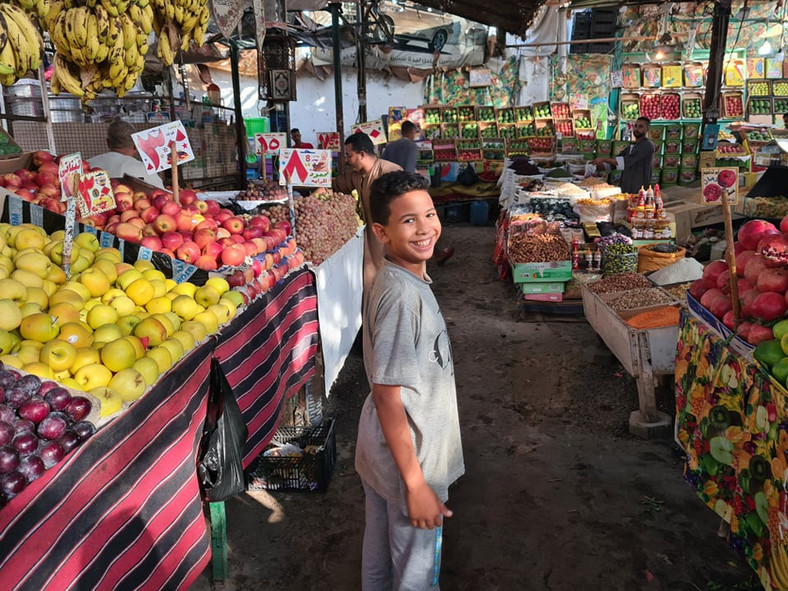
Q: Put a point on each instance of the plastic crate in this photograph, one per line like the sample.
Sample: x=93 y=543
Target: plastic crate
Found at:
x=310 y=472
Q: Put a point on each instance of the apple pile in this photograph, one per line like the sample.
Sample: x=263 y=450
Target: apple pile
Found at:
x=669 y=106
x=325 y=221
x=40 y=423
x=40 y=186
x=650 y=106
x=762 y=270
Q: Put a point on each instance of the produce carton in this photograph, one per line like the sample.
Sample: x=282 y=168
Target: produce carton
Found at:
x=656 y=132
x=12 y=163
x=505 y=115
x=527 y=129
x=542 y=110
x=523 y=114
x=652 y=75
x=756 y=88
x=9 y=149
x=551 y=272
x=693 y=75
x=672 y=76
x=780 y=88
x=604 y=147
x=630 y=74
x=545 y=297
x=533 y=288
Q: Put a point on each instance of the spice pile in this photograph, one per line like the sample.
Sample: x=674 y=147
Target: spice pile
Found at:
x=537 y=248
x=657 y=318
x=621 y=282
x=639 y=298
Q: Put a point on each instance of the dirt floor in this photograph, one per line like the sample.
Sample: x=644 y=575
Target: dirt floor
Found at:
x=557 y=495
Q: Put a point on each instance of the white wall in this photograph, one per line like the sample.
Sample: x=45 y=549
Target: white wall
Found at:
x=314 y=110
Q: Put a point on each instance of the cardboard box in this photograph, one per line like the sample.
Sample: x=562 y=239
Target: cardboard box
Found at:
x=10 y=164
x=545 y=297
x=542 y=288
x=549 y=272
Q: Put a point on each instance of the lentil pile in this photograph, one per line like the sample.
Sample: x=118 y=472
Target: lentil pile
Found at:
x=537 y=248
x=623 y=282
x=639 y=298
x=665 y=316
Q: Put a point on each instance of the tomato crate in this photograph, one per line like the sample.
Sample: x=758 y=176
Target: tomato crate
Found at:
x=311 y=471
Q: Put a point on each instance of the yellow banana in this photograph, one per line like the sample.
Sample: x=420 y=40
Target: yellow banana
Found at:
x=165 y=51
x=55 y=8
x=778 y=567
x=54 y=83
x=143 y=3
x=129 y=31
x=112 y=9
x=177 y=11
x=7 y=56
x=42 y=11
x=102 y=23
x=169 y=10
x=17 y=40
x=3 y=33
x=81 y=21
x=27 y=4
x=92 y=42
x=115 y=30
x=146 y=19
x=103 y=53
x=130 y=57
x=58 y=34
x=67 y=80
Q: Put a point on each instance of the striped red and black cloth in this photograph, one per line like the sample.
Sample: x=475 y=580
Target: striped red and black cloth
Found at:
x=124 y=510
x=271 y=355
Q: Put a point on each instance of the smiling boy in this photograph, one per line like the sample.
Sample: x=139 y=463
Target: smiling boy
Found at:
x=409 y=449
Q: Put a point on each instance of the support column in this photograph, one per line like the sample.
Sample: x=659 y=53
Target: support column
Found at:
x=719 y=39
x=240 y=131
x=361 y=60
x=338 y=106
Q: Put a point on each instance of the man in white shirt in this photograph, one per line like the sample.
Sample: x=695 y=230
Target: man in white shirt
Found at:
x=120 y=159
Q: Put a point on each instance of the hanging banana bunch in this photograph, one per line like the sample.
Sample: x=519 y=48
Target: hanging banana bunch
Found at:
x=101 y=44
x=37 y=10
x=177 y=23
x=20 y=44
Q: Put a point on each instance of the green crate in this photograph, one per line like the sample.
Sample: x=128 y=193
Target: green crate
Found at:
x=656 y=132
x=689 y=145
x=587 y=146
x=604 y=147
x=551 y=272
x=691 y=131
x=668 y=176
x=619 y=145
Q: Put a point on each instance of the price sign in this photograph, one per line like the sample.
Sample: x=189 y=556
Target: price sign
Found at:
x=154 y=146
x=328 y=140
x=305 y=168
x=269 y=144
x=95 y=194
x=374 y=129
x=69 y=172
x=719 y=183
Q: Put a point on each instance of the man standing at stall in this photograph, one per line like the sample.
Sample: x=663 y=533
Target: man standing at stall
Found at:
x=404 y=151
x=295 y=136
x=635 y=161
x=362 y=167
x=120 y=160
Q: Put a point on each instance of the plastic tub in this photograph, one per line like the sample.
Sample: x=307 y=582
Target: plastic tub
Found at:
x=260 y=125
x=480 y=212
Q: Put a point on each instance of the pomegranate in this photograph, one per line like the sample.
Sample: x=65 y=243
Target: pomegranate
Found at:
x=753 y=231
x=721 y=306
x=709 y=297
x=774 y=249
x=742 y=258
x=769 y=306
x=728 y=320
x=744 y=329
x=755 y=265
x=784 y=224
x=746 y=298
x=759 y=333
x=712 y=271
x=697 y=289
x=775 y=280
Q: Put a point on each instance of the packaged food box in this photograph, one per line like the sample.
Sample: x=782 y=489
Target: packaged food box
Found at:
x=687 y=176
x=669 y=176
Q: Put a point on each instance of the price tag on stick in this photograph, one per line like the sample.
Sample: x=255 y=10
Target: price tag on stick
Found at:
x=70 y=176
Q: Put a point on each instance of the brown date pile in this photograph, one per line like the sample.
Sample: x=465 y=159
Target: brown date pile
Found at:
x=623 y=282
x=537 y=248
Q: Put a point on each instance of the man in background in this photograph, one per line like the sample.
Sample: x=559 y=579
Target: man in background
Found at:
x=295 y=136
x=404 y=151
x=635 y=161
x=120 y=160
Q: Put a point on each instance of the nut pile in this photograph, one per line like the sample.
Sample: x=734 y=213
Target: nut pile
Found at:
x=679 y=291
x=623 y=282
x=537 y=248
x=639 y=298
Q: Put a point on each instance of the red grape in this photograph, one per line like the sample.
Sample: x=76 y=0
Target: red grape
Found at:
x=32 y=468
x=9 y=459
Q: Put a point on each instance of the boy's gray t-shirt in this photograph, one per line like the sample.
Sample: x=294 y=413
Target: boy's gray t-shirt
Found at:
x=406 y=345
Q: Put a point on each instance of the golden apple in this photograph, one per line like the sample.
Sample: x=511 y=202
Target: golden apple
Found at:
x=10 y=315
x=235 y=297
x=169 y=284
x=109 y=253
x=129 y=384
x=127 y=324
x=221 y=312
x=59 y=355
x=118 y=354
x=175 y=348
x=111 y=402
x=57 y=275
x=124 y=306
x=39 y=327
x=101 y=314
x=35 y=262
x=128 y=277
x=7 y=342
x=151 y=274
x=77 y=287
x=79 y=264
x=37 y=295
x=84 y=356
x=65 y=312
x=30 y=308
x=96 y=281
x=87 y=241
x=219 y=284
x=208 y=320
x=140 y=291
x=67 y=296
x=13 y=290
x=94 y=375
x=196 y=329
x=174 y=320
x=39 y=369
x=162 y=358
x=11 y=361
x=153 y=329
x=27 y=352
x=27 y=278
x=76 y=334
x=185 y=288
x=148 y=368
x=185 y=307
x=107 y=267
x=206 y=296
x=104 y=334
x=28 y=238
x=185 y=338
x=143 y=265
x=159 y=305
x=231 y=308
x=111 y=294
x=159 y=288
x=166 y=322
x=139 y=349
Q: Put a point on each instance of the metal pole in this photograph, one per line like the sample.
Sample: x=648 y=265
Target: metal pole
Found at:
x=719 y=39
x=240 y=132
x=361 y=60
x=47 y=112
x=335 y=9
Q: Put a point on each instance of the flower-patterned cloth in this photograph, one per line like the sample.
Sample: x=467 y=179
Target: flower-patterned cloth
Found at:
x=453 y=87
x=733 y=426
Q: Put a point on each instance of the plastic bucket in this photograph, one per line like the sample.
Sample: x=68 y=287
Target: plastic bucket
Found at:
x=480 y=212
x=253 y=126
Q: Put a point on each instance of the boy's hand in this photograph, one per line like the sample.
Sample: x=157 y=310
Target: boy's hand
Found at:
x=425 y=509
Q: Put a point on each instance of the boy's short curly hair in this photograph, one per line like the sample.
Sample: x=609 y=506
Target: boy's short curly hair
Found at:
x=390 y=186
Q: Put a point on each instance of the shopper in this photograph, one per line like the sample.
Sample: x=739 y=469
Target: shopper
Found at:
x=635 y=161
x=120 y=160
x=409 y=448
x=404 y=151
x=362 y=167
x=295 y=136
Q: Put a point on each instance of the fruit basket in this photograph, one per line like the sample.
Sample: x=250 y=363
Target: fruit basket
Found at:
x=545 y=128
x=449 y=115
x=466 y=113
x=488 y=130
x=526 y=129
x=450 y=131
x=431 y=132
x=757 y=88
x=732 y=105
x=692 y=106
x=309 y=468
x=759 y=106
x=485 y=114
x=494 y=149
x=444 y=151
x=564 y=127
x=517 y=147
x=650 y=105
x=630 y=106
x=507 y=131
x=585 y=134
x=758 y=135
x=780 y=105
x=469 y=130
x=504 y=115
x=432 y=116
x=523 y=114
x=542 y=145
x=542 y=111
x=560 y=111
x=581 y=119
x=780 y=88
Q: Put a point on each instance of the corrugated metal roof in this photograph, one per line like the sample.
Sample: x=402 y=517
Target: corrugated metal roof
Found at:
x=512 y=16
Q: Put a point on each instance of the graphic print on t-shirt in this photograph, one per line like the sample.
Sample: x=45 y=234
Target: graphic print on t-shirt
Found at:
x=441 y=351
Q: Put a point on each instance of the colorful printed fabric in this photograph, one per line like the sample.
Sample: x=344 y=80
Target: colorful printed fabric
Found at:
x=453 y=87
x=732 y=424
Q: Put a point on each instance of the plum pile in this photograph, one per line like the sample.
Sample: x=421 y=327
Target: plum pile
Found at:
x=40 y=423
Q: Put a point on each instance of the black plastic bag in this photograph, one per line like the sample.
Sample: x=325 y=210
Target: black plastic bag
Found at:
x=220 y=468
x=468 y=176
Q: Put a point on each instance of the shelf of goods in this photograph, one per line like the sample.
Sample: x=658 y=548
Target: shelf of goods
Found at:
x=644 y=353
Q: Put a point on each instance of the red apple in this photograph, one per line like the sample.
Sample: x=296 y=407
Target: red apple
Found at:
x=152 y=242
x=45 y=178
x=42 y=156
x=187 y=196
x=233 y=255
x=190 y=210
x=172 y=240
x=260 y=244
x=204 y=236
x=206 y=263
x=141 y=204
x=113 y=219
x=171 y=208
x=188 y=251
x=140 y=195
x=252 y=232
x=25 y=174
x=236 y=279
x=128 y=215
x=237 y=238
x=121 y=188
x=99 y=219
x=12 y=181
x=49 y=167
x=249 y=248
x=260 y=221
x=202 y=206
x=156 y=192
x=213 y=207
x=109 y=228
x=213 y=249
x=206 y=223
x=164 y=223
x=139 y=222
x=234 y=225
x=149 y=230
x=184 y=222
x=124 y=201
x=225 y=242
x=219 y=217
x=128 y=231
x=257 y=267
